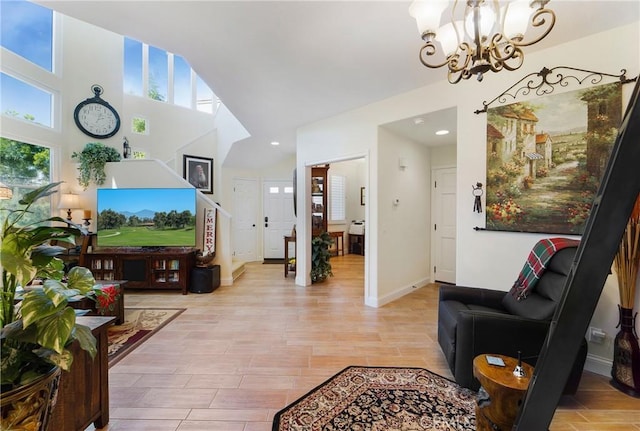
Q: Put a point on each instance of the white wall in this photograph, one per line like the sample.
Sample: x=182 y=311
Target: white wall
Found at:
x=443 y=156
x=404 y=222
x=484 y=259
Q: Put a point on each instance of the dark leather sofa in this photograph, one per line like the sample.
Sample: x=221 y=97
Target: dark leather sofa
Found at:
x=473 y=321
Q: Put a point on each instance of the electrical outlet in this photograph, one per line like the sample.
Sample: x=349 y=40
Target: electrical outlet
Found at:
x=597 y=335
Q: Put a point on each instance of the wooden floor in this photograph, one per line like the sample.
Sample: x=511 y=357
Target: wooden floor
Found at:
x=238 y=355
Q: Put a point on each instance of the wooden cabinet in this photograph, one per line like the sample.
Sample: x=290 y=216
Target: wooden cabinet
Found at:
x=102 y=267
x=319 y=199
x=83 y=394
x=168 y=269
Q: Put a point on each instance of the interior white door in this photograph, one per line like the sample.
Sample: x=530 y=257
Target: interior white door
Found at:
x=444 y=224
x=245 y=219
x=278 y=217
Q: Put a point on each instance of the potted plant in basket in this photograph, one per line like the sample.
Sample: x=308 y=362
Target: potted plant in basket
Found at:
x=36 y=323
x=93 y=158
x=320 y=266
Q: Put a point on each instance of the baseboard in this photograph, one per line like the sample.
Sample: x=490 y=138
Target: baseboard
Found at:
x=227 y=281
x=598 y=365
x=237 y=269
x=380 y=301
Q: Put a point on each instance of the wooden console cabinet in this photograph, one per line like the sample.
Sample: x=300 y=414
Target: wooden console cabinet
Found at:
x=83 y=394
x=166 y=269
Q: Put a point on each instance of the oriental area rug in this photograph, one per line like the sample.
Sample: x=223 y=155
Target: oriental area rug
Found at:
x=381 y=399
x=139 y=324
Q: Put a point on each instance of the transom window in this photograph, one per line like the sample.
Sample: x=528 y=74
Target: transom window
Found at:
x=168 y=78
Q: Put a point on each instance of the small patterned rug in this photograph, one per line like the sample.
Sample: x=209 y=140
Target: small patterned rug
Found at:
x=381 y=399
x=139 y=324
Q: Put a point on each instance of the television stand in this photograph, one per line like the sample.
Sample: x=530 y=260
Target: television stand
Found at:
x=166 y=268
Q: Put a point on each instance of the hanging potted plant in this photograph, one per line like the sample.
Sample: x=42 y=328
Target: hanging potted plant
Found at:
x=625 y=374
x=37 y=325
x=92 y=161
x=320 y=266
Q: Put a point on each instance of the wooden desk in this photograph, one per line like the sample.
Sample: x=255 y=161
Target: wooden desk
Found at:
x=287 y=240
x=505 y=391
x=83 y=394
x=338 y=237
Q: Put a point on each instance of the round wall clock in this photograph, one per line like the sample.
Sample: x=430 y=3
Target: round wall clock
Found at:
x=96 y=117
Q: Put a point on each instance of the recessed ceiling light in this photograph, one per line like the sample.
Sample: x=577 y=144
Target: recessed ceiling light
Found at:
x=442 y=132
x=275 y=143
x=418 y=120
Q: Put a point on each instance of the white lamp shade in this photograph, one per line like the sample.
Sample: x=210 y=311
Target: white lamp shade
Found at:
x=487 y=20
x=516 y=18
x=448 y=37
x=427 y=14
x=69 y=201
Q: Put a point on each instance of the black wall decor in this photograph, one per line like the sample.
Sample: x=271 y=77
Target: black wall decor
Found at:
x=544 y=83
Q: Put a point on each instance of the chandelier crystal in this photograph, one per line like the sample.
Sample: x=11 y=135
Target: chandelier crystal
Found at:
x=487 y=35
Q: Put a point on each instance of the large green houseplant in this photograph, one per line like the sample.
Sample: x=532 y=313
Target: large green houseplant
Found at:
x=37 y=324
x=92 y=159
x=320 y=266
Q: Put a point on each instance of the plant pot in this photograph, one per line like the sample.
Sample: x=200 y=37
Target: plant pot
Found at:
x=29 y=407
x=626 y=355
x=319 y=279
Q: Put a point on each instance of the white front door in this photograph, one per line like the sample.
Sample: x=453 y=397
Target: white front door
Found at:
x=278 y=217
x=444 y=225
x=245 y=219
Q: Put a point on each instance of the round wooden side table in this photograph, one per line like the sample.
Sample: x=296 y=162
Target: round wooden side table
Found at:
x=498 y=408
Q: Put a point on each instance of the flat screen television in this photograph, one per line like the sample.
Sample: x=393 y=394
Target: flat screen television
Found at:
x=146 y=217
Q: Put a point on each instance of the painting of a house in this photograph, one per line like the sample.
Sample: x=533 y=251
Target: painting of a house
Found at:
x=545 y=159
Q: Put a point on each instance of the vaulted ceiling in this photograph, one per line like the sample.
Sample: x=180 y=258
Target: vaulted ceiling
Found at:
x=278 y=65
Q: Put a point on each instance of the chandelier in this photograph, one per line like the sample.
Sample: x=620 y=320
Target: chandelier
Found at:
x=487 y=36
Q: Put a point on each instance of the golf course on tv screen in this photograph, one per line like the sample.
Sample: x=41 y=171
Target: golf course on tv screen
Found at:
x=149 y=217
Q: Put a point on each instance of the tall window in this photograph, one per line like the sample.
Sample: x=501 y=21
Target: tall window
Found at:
x=24 y=167
x=158 y=74
x=25 y=101
x=337 y=195
x=181 y=82
x=204 y=97
x=27 y=30
x=132 y=67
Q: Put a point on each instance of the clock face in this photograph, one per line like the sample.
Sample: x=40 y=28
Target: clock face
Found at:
x=97 y=120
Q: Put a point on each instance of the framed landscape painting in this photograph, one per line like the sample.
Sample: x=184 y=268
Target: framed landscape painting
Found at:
x=546 y=158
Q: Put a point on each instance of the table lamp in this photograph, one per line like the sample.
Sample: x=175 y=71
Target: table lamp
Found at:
x=69 y=201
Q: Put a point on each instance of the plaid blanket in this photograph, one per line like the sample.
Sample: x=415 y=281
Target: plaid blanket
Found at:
x=536 y=264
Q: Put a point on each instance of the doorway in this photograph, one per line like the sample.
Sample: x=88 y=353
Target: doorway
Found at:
x=245 y=198
x=278 y=216
x=443 y=214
